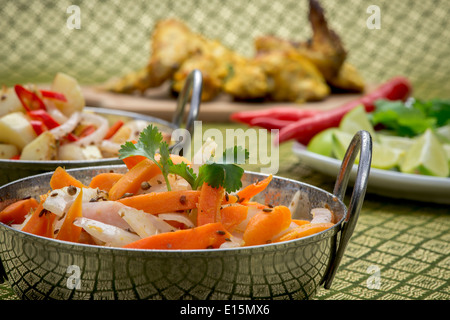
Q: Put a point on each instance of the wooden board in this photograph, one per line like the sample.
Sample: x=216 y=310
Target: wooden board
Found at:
x=159 y=103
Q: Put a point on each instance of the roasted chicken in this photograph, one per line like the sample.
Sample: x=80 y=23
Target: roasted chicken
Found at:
x=280 y=70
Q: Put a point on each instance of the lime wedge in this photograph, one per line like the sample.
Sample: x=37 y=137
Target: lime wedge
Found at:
x=383 y=157
x=341 y=141
x=447 y=151
x=322 y=143
x=426 y=156
x=443 y=133
x=396 y=142
x=356 y=120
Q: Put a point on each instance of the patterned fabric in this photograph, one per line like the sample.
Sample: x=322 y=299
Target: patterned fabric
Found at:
x=41 y=38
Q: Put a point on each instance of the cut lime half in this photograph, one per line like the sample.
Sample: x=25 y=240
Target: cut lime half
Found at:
x=383 y=157
x=322 y=143
x=426 y=156
x=356 y=120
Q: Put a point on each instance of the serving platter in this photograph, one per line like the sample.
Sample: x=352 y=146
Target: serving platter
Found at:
x=388 y=183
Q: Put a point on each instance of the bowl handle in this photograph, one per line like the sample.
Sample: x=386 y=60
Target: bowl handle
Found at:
x=362 y=141
x=3 y=276
x=194 y=84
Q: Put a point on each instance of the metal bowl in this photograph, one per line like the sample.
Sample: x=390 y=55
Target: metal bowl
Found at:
x=11 y=170
x=42 y=268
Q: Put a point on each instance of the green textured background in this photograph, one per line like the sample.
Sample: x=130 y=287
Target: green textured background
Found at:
x=114 y=35
x=408 y=241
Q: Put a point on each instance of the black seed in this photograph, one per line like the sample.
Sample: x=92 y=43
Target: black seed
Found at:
x=71 y=190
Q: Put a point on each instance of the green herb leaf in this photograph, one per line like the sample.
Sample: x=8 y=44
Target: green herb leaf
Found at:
x=185 y=172
x=404 y=120
x=148 y=144
x=150 y=141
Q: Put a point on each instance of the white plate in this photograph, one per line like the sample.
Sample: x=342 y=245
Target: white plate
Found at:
x=384 y=182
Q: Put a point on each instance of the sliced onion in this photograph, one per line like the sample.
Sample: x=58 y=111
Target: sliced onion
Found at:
x=143 y=223
x=110 y=235
x=321 y=215
x=67 y=127
x=109 y=147
x=53 y=110
x=235 y=241
x=179 y=217
x=97 y=136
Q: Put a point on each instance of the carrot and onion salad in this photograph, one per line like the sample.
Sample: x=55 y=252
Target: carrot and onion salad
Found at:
x=162 y=202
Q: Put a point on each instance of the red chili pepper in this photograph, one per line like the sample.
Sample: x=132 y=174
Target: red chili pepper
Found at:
x=87 y=131
x=38 y=126
x=30 y=100
x=269 y=123
x=113 y=129
x=303 y=130
x=45 y=117
x=71 y=137
x=53 y=95
x=280 y=113
x=48 y=121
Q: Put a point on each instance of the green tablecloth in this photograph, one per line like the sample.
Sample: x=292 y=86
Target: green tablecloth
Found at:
x=400 y=249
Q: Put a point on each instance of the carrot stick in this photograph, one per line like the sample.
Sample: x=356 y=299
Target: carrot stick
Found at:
x=131 y=161
x=209 y=204
x=69 y=231
x=303 y=231
x=61 y=178
x=207 y=236
x=263 y=226
x=140 y=172
x=253 y=189
x=229 y=198
x=105 y=181
x=163 y=202
x=15 y=213
x=232 y=215
x=300 y=222
x=131 y=181
x=41 y=221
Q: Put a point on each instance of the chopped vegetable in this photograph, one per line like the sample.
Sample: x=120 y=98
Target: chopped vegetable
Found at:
x=209 y=204
x=30 y=100
x=61 y=178
x=304 y=230
x=262 y=227
x=253 y=189
x=208 y=236
x=40 y=222
x=105 y=181
x=113 y=129
x=162 y=202
x=136 y=209
x=69 y=231
x=16 y=212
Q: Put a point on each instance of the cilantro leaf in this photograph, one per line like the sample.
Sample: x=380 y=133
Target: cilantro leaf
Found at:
x=236 y=154
x=150 y=141
x=411 y=118
x=183 y=171
x=225 y=172
x=148 y=144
